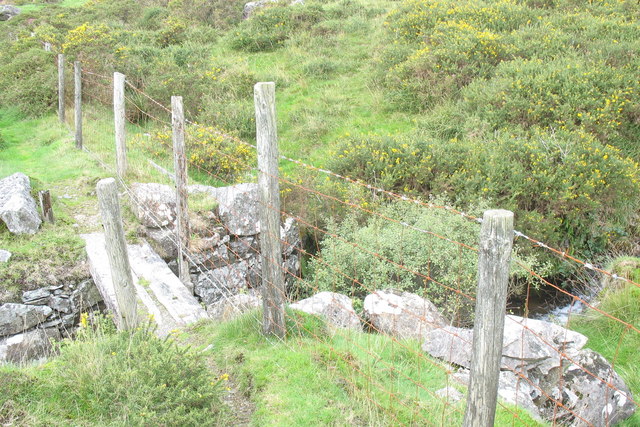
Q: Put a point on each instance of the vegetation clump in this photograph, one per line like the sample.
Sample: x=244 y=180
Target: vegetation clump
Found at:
x=115 y=378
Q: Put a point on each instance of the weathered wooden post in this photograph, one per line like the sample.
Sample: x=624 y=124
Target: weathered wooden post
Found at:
x=45 y=205
x=119 y=118
x=180 y=166
x=77 y=77
x=61 y=112
x=127 y=317
x=496 y=241
x=273 y=322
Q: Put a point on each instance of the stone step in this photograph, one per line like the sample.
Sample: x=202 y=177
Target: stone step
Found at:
x=161 y=295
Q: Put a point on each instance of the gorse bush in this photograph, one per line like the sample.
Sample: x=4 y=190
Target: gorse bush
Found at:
x=106 y=377
x=566 y=93
x=565 y=186
x=457 y=53
x=208 y=149
x=29 y=81
x=270 y=27
x=451 y=269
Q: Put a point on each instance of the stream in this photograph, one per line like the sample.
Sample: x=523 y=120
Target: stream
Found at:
x=551 y=305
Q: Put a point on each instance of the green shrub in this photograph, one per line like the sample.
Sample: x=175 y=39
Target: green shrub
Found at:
x=29 y=81
x=209 y=149
x=415 y=19
x=132 y=377
x=270 y=27
x=565 y=187
x=566 y=93
x=456 y=54
x=356 y=271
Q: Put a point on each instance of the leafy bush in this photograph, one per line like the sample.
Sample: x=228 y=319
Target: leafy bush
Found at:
x=566 y=188
x=356 y=271
x=457 y=53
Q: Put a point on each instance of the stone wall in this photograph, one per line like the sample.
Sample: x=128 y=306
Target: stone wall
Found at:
x=45 y=314
x=224 y=256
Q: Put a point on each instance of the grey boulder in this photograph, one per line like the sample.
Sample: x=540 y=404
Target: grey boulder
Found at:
x=337 y=309
x=5 y=255
x=237 y=207
x=28 y=346
x=402 y=314
x=7 y=12
x=154 y=204
x=233 y=306
x=16 y=318
x=17 y=208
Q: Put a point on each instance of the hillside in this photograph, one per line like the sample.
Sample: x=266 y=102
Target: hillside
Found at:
x=399 y=123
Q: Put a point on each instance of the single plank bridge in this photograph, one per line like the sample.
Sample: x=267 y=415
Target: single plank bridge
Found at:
x=161 y=296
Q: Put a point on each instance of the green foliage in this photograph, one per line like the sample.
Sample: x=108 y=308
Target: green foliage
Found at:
x=457 y=53
x=359 y=258
x=565 y=94
x=270 y=27
x=29 y=81
x=343 y=377
x=105 y=377
x=208 y=149
x=582 y=189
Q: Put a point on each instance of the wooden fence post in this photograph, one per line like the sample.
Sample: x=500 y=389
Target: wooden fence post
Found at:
x=61 y=112
x=119 y=118
x=116 y=246
x=496 y=241
x=77 y=77
x=180 y=166
x=273 y=322
x=45 y=205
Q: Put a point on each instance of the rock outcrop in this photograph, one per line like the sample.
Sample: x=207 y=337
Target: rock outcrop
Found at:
x=45 y=314
x=543 y=363
x=17 y=208
x=402 y=314
x=228 y=308
x=7 y=12
x=225 y=258
x=337 y=309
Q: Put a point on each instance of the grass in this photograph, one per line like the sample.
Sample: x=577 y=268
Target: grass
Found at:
x=321 y=377
x=41 y=149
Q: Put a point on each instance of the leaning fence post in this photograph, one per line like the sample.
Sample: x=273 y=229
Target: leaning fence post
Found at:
x=496 y=241
x=44 y=197
x=127 y=317
x=61 y=112
x=273 y=322
x=180 y=166
x=119 y=118
x=77 y=77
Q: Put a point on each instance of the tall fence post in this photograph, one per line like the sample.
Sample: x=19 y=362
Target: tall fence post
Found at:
x=117 y=251
x=77 y=77
x=180 y=166
x=496 y=241
x=61 y=112
x=273 y=322
x=119 y=118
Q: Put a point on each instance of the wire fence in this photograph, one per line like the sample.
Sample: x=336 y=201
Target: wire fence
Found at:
x=403 y=356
